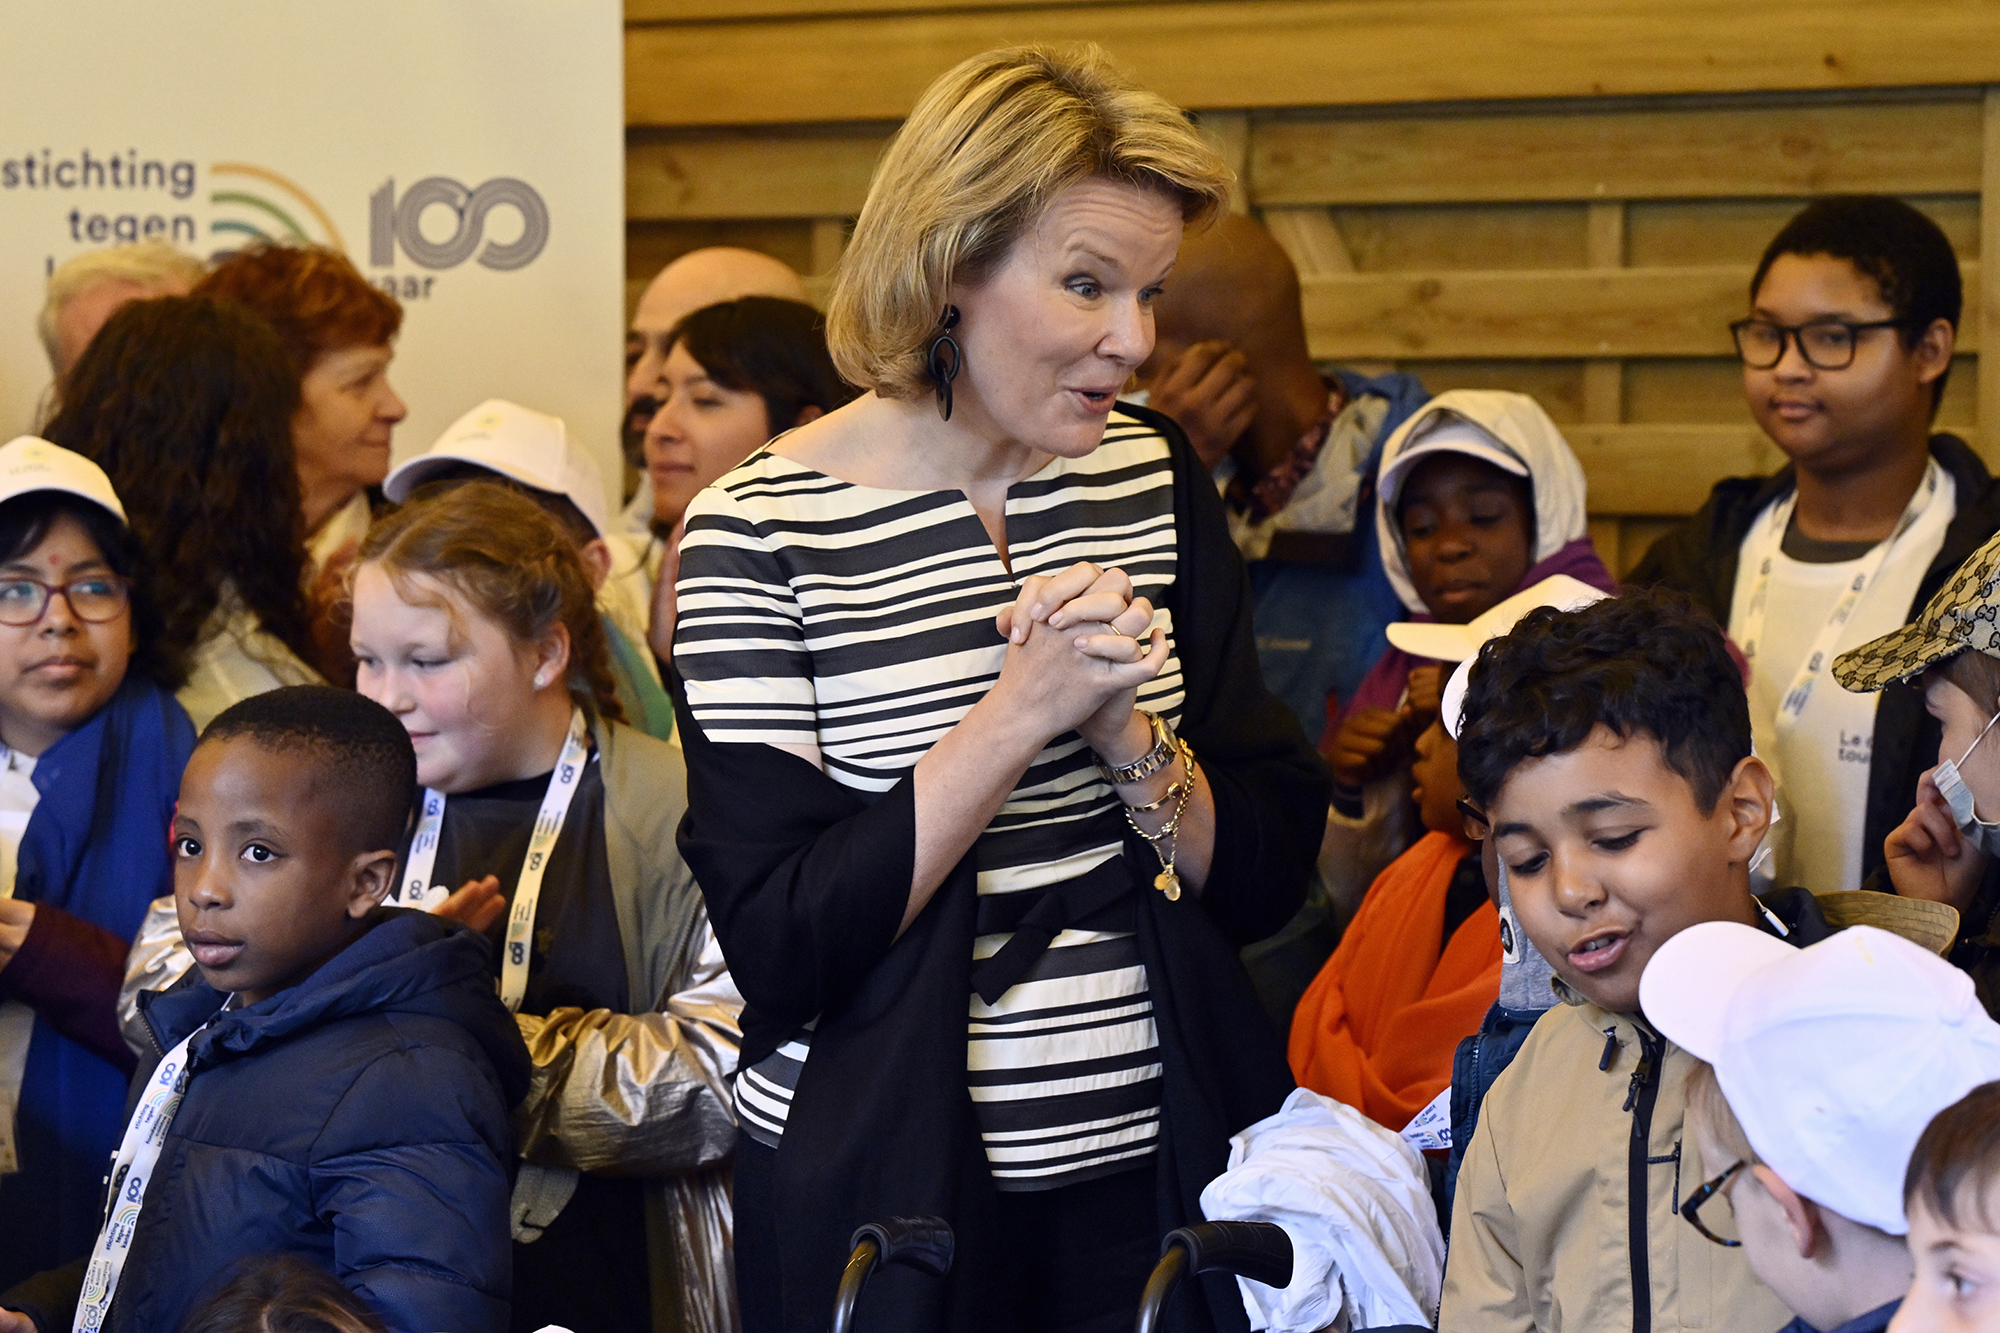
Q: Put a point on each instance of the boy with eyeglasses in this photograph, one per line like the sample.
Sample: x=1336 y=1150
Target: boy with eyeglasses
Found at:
x=1846 y=349
x=1820 y=1069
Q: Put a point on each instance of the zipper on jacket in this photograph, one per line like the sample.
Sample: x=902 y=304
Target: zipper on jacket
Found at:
x=1640 y=1096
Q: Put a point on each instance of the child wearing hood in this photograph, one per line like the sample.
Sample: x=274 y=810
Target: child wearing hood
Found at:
x=1478 y=497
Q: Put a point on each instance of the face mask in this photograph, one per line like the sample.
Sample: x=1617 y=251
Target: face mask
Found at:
x=1984 y=834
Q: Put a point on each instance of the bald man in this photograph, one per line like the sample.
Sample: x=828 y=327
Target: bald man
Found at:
x=1294 y=452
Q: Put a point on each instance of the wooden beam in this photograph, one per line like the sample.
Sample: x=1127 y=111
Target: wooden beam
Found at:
x=1298 y=53
x=684 y=11
x=1633 y=469
x=1926 y=147
x=749 y=176
x=1228 y=132
x=1312 y=238
x=1987 y=320
x=1603 y=378
x=829 y=240
x=1529 y=313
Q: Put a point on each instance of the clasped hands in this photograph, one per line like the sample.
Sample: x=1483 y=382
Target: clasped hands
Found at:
x=1075 y=655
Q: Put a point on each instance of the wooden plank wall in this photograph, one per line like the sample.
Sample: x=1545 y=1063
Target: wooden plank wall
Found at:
x=1585 y=240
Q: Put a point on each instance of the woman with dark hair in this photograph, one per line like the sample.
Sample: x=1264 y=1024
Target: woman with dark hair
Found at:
x=187 y=403
x=735 y=374
x=91 y=750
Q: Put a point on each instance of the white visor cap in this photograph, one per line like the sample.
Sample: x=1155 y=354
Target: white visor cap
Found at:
x=527 y=446
x=1461 y=643
x=1833 y=1057
x=29 y=463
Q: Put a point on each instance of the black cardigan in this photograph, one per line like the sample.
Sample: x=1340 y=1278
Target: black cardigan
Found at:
x=1699 y=558
x=806 y=883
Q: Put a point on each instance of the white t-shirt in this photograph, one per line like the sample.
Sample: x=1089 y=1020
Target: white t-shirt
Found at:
x=1822 y=762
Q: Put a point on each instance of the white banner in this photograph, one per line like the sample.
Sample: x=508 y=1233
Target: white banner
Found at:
x=466 y=154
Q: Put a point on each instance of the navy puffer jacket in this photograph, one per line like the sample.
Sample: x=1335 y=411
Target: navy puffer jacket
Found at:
x=358 y=1120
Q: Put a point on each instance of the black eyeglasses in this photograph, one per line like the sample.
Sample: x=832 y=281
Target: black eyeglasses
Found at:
x=95 y=598
x=1691 y=1210
x=1826 y=344
x=1472 y=815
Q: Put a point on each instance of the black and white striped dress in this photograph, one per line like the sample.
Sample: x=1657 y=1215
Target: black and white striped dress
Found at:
x=812 y=612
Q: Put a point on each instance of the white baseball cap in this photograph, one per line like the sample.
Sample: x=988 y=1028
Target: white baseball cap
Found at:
x=1453 y=434
x=530 y=447
x=1833 y=1057
x=29 y=463
x=1461 y=643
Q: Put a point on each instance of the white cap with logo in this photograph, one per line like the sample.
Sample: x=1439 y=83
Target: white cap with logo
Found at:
x=1833 y=1057
x=530 y=447
x=29 y=463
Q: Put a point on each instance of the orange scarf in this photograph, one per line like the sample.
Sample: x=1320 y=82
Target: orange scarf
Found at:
x=1378 y=1026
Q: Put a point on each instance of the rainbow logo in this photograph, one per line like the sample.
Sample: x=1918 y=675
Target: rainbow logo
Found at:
x=255 y=204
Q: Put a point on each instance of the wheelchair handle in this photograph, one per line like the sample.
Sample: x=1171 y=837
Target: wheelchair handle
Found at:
x=923 y=1243
x=1260 y=1251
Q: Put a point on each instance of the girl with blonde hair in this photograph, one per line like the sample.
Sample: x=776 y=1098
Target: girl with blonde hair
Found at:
x=985 y=790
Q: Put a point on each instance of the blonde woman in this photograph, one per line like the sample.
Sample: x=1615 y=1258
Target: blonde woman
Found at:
x=985 y=789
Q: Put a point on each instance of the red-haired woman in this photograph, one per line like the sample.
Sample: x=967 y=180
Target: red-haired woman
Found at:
x=340 y=330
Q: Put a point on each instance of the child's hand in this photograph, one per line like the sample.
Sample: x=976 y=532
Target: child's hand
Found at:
x=477 y=904
x=1426 y=692
x=1369 y=743
x=1929 y=858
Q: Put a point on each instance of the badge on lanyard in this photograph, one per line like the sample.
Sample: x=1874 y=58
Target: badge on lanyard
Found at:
x=414 y=887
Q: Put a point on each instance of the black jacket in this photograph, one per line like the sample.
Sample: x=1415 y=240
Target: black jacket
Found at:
x=1699 y=559
x=358 y=1120
x=806 y=882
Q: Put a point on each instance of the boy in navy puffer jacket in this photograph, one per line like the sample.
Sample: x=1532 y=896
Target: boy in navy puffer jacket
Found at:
x=335 y=1081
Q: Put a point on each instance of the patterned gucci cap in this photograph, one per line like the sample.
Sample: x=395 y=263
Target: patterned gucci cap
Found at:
x=1964 y=614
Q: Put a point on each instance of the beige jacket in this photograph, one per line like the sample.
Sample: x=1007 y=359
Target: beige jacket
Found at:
x=645 y=1094
x=1554 y=1182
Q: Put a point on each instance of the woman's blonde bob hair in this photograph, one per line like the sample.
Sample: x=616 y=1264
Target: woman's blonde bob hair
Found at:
x=983 y=152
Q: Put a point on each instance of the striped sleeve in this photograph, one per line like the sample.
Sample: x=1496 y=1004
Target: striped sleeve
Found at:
x=739 y=632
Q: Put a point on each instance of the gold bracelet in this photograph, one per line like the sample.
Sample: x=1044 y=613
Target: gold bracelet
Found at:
x=1167 y=881
x=1173 y=790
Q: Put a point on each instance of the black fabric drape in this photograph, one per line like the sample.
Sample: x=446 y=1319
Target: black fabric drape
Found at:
x=806 y=883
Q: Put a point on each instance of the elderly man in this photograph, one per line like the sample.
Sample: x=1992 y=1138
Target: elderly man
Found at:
x=698 y=278
x=89 y=288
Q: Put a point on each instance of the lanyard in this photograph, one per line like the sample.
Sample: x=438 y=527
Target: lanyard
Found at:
x=138 y=1154
x=1764 y=556
x=418 y=891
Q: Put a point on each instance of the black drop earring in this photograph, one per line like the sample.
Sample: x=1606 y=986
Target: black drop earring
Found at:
x=946 y=359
